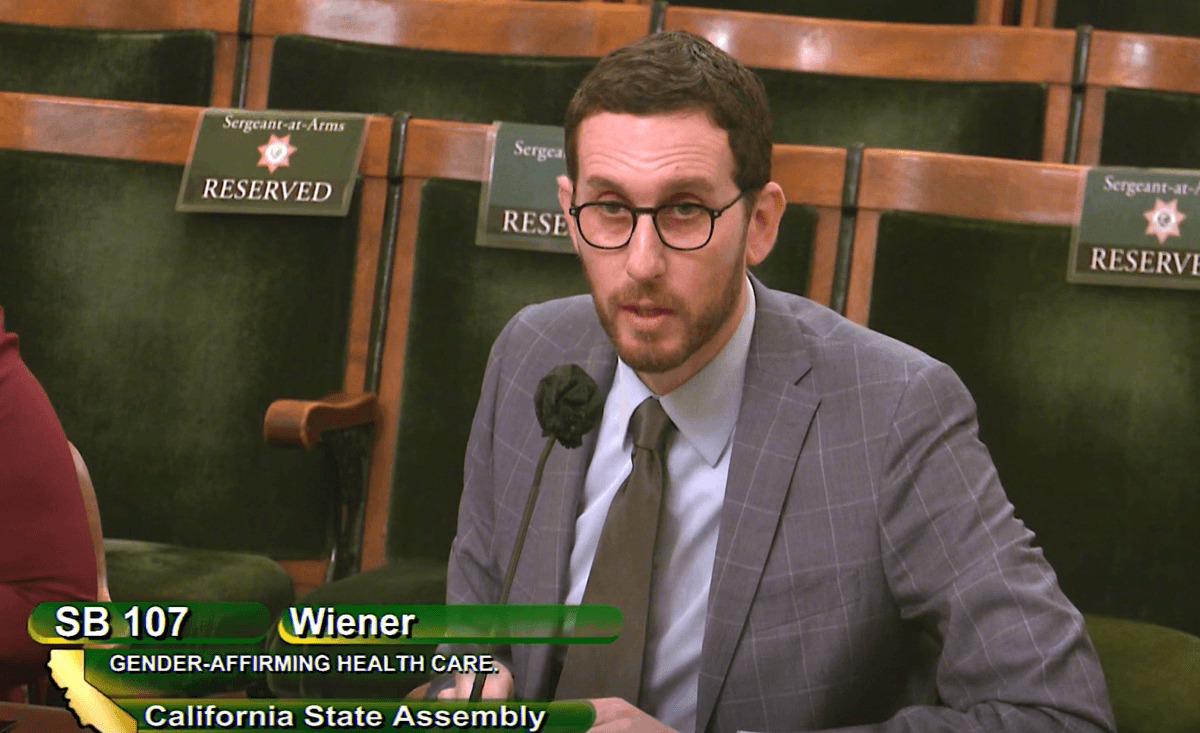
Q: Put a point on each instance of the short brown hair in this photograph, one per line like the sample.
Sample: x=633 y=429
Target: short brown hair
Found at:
x=668 y=72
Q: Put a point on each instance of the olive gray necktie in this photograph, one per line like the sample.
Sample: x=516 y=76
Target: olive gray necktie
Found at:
x=621 y=570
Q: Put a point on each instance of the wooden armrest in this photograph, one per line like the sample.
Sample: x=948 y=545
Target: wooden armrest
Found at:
x=302 y=422
x=92 y=508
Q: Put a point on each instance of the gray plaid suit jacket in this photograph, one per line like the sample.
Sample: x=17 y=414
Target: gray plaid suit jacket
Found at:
x=869 y=570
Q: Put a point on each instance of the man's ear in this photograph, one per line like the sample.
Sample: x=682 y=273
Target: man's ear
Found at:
x=565 y=190
x=765 y=214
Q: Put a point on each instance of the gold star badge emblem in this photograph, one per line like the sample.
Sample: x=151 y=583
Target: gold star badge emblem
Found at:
x=275 y=152
x=1163 y=220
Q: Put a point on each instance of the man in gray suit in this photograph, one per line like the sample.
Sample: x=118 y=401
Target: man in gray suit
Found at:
x=834 y=547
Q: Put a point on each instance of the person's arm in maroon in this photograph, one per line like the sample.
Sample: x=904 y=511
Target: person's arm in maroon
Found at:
x=46 y=551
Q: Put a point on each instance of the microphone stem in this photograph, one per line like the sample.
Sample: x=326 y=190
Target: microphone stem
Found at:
x=526 y=519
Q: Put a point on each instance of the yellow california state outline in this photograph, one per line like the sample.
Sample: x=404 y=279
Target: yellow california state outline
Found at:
x=89 y=704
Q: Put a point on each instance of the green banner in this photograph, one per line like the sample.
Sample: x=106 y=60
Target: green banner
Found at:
x=272 y=162
x=519 y=207
x=364 y=624
x=358 y=715
x=1138 y=226
x=199 y=672
x=149 y=623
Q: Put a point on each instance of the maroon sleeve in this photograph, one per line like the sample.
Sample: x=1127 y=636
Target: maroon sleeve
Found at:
x=46 y=551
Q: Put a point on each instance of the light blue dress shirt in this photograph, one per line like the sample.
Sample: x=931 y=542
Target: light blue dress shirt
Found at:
x=705 y=411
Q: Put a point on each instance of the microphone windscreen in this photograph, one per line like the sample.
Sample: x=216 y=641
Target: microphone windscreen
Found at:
x=568 y=404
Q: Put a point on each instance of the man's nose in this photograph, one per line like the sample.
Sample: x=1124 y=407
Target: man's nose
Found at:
x=646 y=257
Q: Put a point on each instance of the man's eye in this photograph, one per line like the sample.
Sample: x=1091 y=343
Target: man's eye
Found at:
x=686 y=210
x=611 y=208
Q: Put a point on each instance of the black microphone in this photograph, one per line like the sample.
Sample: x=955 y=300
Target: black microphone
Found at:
x=568 y=407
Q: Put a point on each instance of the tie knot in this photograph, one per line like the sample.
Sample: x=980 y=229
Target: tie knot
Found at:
x=650 y=425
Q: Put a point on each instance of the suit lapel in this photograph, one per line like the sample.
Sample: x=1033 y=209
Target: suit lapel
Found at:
x=576 y=339
x=600 y=362
x=777 y=408
x=552 y=531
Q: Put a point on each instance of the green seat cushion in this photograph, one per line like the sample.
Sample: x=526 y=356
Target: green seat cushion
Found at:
x=412 y=580
x=1172 y=17
x=1151 y=129
x=318 y=73
x=169 y=67
x=161 y=339
x=158 y=573
x=153 y=572
x=1153 y=675
x=922 y=11
x=1086 y=399
x=403 y=581
x=1001 y=120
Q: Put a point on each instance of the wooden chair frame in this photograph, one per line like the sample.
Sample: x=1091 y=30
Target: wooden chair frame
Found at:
x=456 y=150
x=991 y=12
x=1038 y=13
x=549 y=28
x=813 y=175
x=220 y=16
x=899 y=51
x=92 y=508
x=164 y=133
x=953 y=185
x=1134 y=61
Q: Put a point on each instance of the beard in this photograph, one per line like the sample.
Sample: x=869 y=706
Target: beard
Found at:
x=642 y=351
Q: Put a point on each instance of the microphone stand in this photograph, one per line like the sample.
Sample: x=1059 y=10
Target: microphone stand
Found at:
x=526 y=520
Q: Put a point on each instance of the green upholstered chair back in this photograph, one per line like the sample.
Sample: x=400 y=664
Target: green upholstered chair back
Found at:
x=1174 y=17
x=463 y=294
x=318 y=73
x=173 y=67
x=924 y=11
x=166 y=51
x=976 y=90
x=162 y=337
x=1004 y=120
x=502 y=59
x=1130 y=115
x=1086 y=398
x=1142 y=101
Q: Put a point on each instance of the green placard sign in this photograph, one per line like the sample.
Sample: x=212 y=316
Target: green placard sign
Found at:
x=519 y=207
x=424 y=624
x=196 y=671
x=360 y=715
x=1138 y=226
x=271 y=162
x=80 y=622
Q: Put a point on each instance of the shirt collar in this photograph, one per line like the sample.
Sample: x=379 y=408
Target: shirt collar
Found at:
x=705 y=407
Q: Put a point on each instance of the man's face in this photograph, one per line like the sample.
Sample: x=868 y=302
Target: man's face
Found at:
x=667 y=312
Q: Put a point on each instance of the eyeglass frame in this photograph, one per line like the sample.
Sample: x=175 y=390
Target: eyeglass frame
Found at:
x=638 y=211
